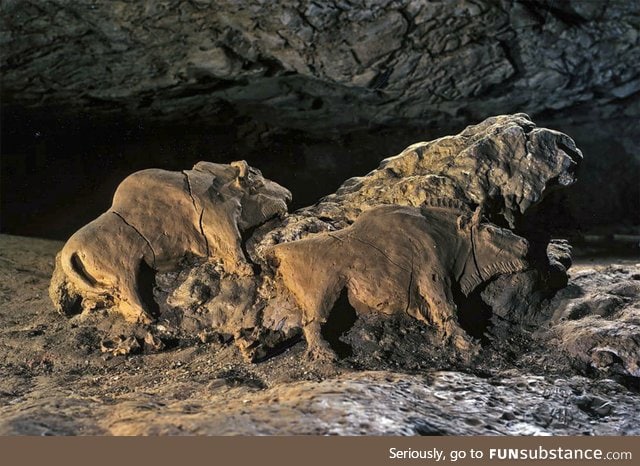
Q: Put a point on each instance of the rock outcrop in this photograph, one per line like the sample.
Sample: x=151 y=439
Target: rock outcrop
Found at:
x=597 y=321
x=411 y=244
x=503 y=164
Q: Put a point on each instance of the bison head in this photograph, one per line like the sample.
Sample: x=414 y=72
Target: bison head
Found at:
x=262 y=199
x=493 y=251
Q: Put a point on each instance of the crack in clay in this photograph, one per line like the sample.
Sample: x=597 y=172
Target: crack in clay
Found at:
x=410 y=286
x=199 y=212
x=384 y=254
x=206 y=241
x=119 y=215
x=188 y=184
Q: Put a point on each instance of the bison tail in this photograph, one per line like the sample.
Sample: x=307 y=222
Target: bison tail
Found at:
x=74 y=268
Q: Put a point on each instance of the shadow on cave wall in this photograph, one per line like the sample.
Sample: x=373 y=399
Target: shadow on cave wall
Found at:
x=59 y=172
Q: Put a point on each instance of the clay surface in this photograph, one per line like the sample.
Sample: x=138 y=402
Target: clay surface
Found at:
x=599 y=326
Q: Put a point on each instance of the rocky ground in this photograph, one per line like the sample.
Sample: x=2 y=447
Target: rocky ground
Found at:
x=54 y=380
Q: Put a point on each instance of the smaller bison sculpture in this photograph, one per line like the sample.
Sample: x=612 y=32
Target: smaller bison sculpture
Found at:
x=157 y=218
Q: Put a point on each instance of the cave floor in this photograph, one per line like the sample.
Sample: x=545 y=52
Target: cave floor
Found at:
x=55 y=381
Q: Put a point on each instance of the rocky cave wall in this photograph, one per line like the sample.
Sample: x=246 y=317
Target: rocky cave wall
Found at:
x=310 y=92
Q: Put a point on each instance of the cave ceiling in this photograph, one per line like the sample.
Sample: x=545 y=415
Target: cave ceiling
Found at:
x=322 y=67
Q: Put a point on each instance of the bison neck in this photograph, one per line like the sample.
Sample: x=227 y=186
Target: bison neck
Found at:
x=481 y=268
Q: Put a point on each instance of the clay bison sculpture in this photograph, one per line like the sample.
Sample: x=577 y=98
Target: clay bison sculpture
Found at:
x=157 y=218
x=402 y=239
x=397 y=259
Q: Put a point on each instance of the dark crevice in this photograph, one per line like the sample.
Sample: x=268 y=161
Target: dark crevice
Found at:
x=204 y=87
x=381 y=80
x=272 y=67
x=340 y=321
x=146 y=280
x=275 y=342
x=574 y=155
x=317 y=103
x=73 y=306
x=569 y=18
x=474 y=316
x=245 y=236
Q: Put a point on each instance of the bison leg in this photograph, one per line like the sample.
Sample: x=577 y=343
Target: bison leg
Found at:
x=436 y=291
x=317 y=347
x=134 y=280
x=219 y=226
x=310 y=271
x=135 y=293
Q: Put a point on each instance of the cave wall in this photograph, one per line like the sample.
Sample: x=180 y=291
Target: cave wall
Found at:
x=310 y=92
